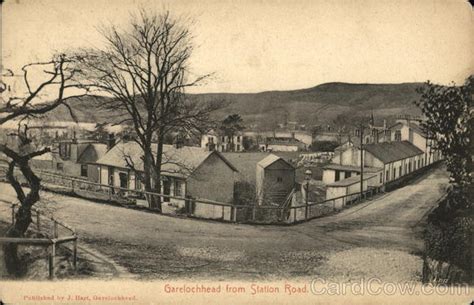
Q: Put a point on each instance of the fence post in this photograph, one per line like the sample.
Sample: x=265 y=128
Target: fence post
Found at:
x=55 y=228
x=254 y=212
x=52 y=260
x=306 y=212
x=74 y=253
x=72 y=185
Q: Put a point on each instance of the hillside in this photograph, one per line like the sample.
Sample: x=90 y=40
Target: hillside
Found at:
x=316 y=105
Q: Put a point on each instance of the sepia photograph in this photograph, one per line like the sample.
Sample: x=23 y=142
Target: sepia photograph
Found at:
x=236 y=152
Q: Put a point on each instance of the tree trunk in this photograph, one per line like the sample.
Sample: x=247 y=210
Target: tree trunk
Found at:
x=157 y=173
x=150 y=180
x=15 y=266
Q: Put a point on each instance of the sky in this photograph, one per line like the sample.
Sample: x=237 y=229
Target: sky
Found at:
x=254 y=46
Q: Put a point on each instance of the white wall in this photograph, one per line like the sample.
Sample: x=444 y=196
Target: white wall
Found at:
x=329 y=176
x=275 y=147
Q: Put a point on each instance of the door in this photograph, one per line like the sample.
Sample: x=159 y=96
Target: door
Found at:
x=123 y=180
x=166 y=189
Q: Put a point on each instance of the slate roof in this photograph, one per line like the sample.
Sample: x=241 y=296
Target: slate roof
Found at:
x=388 y=152
x=246 y=163
x=270 y=159
x=177 y=162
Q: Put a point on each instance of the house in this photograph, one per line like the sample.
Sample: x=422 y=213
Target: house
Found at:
x=349 y=186
x=275 y=179
x=391 y=160
x=345 y=145
x=330 y=136
x=283 y=144
x=73 y=157
x=213 y=140
x=335 y=172
x=191 y=172
x=410 y=130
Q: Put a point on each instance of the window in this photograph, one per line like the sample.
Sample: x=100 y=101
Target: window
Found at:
x=406 y=169
x=400 y=171
x=381 y=177
x=386 y=175
x=337 y=178
x=398 y=135
x=409 y=166
x=178 y=188
x=347 y=174
x=223 y=138
x=65 y=151
x=238 y=138
x=394 y=173
x=418 y=166
x=138 y=181
x=279 y=179
x=238 y=147
x=210 y=140
x=84 y=170
x=59 y=166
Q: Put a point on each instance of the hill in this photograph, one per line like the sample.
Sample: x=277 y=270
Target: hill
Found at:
x=317 y=105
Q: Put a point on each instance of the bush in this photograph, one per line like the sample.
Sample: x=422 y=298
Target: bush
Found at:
x=449 y=239
x=324 y=146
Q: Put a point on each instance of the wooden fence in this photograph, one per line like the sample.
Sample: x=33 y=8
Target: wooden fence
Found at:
x=50 y=233
x=202 y=208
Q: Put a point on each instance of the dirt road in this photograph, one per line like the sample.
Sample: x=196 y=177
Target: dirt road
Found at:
x=379 y=238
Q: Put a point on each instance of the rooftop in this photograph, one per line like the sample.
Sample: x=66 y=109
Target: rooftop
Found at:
x=178 y=162
x=270 y=159
x=393 y=151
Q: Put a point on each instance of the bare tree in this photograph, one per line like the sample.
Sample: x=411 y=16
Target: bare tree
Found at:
x=47 y=86
x=145 y=69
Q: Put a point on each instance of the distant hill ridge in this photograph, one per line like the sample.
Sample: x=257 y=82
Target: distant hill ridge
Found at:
x=316 y=105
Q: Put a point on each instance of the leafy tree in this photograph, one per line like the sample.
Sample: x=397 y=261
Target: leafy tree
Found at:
x=230 y=126
x=324 y=146
x=248 y=144
x=449 y=120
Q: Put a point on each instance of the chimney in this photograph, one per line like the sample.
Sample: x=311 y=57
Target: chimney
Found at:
x=110 y=141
